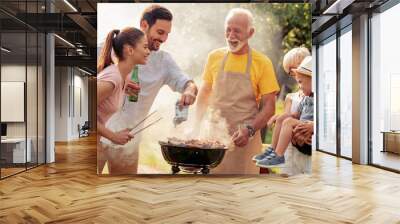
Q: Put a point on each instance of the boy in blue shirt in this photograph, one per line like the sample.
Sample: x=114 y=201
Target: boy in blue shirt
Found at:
x=304 y=114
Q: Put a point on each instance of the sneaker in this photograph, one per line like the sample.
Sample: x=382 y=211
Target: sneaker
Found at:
x=271 y=161
x=261 y=156
x=270 y=155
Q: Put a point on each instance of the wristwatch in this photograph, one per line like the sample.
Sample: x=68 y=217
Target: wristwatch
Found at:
x=251 y=130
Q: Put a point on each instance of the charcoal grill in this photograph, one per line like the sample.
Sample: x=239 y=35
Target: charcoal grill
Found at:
x=191 y=159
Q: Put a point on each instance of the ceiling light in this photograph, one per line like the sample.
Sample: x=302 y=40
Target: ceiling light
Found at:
x=5 y=50
x=80 y=51
x=65 y=41
x=338 y=6
x=70 y=5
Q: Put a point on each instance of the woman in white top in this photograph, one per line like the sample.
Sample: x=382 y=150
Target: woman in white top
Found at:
x=291 y=61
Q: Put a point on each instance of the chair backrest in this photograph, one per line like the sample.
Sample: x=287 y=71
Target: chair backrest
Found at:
x=86 y=125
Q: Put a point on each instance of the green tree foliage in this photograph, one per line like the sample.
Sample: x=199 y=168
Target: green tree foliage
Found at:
x=293 y=19
x=290 y=24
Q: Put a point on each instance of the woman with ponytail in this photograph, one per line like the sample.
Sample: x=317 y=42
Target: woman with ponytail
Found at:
x=129 y=47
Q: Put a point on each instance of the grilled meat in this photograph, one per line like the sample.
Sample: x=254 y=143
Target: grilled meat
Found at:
x=196 y=143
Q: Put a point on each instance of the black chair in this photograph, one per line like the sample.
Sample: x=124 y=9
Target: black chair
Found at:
x=84 y=130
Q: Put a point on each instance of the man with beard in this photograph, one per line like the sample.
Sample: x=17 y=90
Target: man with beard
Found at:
x=160 y=70
x=237 y=80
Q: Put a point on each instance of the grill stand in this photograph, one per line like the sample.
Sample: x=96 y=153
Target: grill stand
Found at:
x=175 y=169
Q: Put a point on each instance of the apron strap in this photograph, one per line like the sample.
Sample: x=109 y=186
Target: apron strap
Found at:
x=221 y=70
x=248 y=66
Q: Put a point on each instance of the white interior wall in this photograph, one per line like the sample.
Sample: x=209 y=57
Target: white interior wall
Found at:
x=61 y=104
x=80 y=83
x=69 y=81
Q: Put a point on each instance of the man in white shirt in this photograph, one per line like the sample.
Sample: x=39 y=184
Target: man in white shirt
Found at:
x=160 y=70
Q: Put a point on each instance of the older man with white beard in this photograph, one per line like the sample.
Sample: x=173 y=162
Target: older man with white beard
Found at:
x=237 y=80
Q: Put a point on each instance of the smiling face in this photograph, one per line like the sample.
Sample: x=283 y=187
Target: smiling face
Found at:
x=138 y=53
x=238 y=31
x=156 y=34
x=305 y=83
x=141 y=51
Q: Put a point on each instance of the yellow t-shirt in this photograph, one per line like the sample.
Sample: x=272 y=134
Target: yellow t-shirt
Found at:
x=262 y=72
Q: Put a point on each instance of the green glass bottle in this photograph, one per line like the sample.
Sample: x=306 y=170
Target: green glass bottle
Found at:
x=134 y=78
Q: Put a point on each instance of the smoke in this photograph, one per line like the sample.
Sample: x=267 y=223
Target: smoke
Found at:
x=213 y=128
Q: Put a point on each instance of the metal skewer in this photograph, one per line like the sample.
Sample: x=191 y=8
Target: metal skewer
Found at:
x=130 y=129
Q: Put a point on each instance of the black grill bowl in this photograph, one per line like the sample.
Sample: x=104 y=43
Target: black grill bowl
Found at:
x=191 y=157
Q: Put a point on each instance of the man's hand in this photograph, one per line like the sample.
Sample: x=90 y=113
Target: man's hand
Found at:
x=241 y=137
x=272 y=121
x=298 y=139
x=302 y=133
x=306 y=128
x=308 y=140
x=189 y=94
x=132 y=88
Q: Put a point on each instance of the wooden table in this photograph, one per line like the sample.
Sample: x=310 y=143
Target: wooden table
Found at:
x=391 y=141
x=13 y=150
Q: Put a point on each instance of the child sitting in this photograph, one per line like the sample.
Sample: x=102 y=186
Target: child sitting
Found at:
x=304 y=114
x=291 y=61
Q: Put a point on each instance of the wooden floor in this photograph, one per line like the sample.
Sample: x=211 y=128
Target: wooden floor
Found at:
x=387 y=159
x=69 y=191
x=10 y=171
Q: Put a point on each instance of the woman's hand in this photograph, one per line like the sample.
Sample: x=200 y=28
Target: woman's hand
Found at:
x=121 y=137
x=132 y=88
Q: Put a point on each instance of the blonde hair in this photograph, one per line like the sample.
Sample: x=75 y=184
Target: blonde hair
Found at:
x=294 y=57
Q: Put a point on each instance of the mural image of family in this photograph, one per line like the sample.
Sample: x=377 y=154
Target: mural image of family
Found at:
x=237 y=80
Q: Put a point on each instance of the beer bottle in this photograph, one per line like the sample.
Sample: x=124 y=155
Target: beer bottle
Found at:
x=134 y=78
